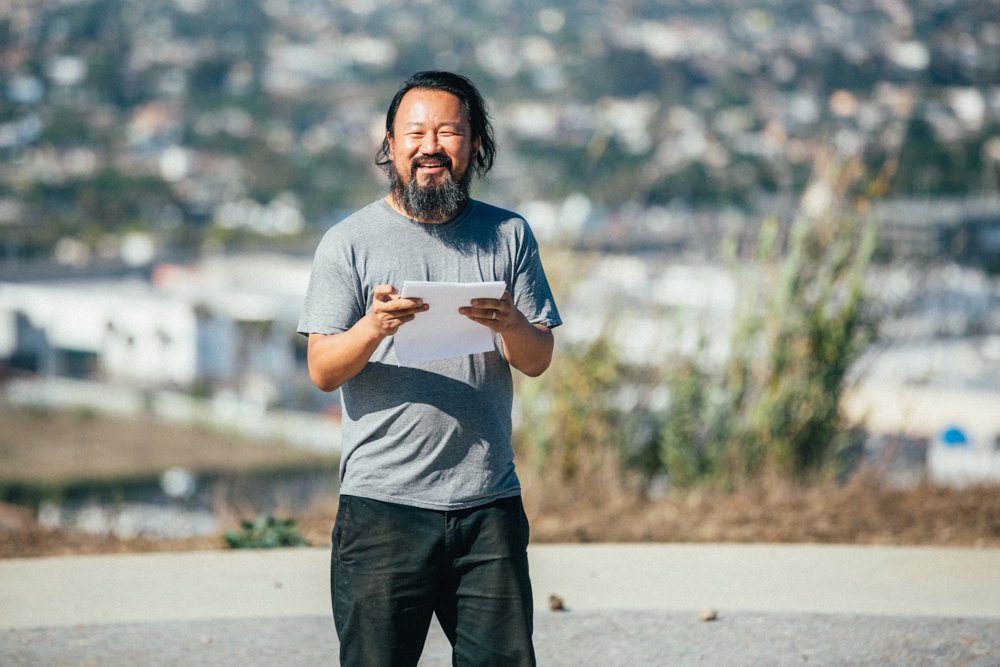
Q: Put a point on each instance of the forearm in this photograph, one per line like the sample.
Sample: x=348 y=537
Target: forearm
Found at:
x=528 y=347
x=336 y=358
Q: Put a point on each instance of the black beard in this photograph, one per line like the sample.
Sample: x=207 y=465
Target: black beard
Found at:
x=432 y=203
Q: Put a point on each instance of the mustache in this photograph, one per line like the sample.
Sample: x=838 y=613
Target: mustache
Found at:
x=437 y=157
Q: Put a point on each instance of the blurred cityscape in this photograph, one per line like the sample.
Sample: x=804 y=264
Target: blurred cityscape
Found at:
x=168 y=167
x=163 y=129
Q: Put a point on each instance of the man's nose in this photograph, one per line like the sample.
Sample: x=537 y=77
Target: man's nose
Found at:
x=430 y=144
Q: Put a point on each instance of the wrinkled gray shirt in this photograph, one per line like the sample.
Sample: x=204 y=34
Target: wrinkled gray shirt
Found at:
x=437 y=434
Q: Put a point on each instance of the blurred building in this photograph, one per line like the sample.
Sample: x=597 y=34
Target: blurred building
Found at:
x=228 y=321
x=934 y=370
x=965 y=230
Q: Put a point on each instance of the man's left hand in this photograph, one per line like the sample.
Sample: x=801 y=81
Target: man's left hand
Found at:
x=497 y=314
x=526 y=346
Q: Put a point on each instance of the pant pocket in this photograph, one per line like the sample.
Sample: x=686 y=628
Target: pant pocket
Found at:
x=343 y=517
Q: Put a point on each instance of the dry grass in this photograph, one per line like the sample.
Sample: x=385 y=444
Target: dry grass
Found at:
x=40 y=447
x=36 y=542
x=860 y=512
x=31 y=541
x=598 y=507
x=53 y=449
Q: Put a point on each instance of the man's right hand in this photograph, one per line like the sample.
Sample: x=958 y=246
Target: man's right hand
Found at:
x=336 y=358
x=389 y=310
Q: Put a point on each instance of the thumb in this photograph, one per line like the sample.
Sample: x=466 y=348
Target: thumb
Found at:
x=384 y=293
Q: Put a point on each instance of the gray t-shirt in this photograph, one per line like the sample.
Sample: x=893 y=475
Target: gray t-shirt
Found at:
x=436 y=434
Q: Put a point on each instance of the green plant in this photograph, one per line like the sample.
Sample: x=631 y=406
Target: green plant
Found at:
x=265 y=532
x=83 y=413
x=775 y=408
x=694 y=425
x=568 y=412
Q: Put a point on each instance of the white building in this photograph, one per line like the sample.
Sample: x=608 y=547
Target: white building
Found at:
x=223 y=320
x=126 y=331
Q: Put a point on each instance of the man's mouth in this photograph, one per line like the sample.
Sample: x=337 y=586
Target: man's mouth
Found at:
x=431 y=164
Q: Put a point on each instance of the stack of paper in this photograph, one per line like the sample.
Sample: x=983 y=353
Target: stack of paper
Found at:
x=441 y=331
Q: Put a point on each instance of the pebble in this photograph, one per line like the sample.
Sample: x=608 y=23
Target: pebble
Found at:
x=707 y=614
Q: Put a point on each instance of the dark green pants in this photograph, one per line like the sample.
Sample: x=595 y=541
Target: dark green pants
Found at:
x=395 y=565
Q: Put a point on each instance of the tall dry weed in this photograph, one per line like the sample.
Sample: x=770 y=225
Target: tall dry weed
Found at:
x=775 y=409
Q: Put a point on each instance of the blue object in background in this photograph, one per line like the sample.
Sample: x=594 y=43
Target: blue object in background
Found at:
x=954 y=437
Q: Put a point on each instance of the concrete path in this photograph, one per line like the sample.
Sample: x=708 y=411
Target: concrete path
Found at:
x=628 y=605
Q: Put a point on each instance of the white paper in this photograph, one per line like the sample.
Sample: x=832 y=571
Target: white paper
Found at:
x=441 y=331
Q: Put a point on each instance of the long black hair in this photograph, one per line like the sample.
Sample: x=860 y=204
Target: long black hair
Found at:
x=475 y=109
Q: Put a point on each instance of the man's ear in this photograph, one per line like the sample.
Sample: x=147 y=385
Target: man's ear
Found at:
x=475 y=148
x=392 y=145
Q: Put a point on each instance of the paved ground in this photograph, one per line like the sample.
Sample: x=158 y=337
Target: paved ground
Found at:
x=575 y=639
x=628 y=605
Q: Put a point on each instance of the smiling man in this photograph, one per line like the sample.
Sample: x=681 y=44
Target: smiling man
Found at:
x=430 y=518
x=433 y=144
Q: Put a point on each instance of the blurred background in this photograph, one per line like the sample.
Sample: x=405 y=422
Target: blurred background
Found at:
x=773 y=230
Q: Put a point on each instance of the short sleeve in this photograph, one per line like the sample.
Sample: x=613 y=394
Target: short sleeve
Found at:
x=531 y=293
x=333 y=302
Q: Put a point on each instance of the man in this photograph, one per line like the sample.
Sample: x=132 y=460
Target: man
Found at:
x=430 y=518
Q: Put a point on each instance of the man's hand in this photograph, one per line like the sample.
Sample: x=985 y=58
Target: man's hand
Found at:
x=527 y=346
x=389 y=310
x=335 y=359
x=497 y=314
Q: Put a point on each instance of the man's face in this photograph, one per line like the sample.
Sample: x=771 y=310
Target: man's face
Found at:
x=431 y=149
x=431 y=137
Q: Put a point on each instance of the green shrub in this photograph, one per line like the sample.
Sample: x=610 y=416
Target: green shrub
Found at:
x=265 y=532
x=568 y=412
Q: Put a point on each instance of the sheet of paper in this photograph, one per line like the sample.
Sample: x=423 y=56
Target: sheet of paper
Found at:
x=441 y=331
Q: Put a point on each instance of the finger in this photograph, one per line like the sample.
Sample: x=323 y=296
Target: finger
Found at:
x=494 y=304
x=495 y=312
x=384 y=292
x=407 y=312
x=392 y=325
x=503 y=304
x=485 y=321
x=482 y=313
x=396 y=305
